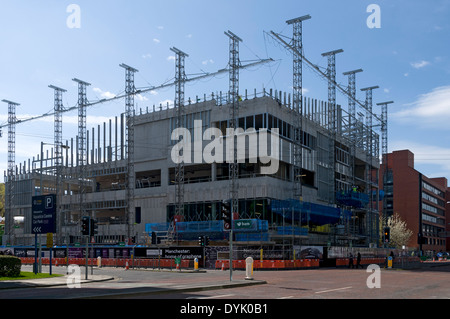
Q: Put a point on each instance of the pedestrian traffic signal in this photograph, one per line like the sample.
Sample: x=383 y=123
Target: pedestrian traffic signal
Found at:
x=226 y=214
x=94 y=227
x=201 y=241
x=387 y=234
x=421 y=240
x=85 y=225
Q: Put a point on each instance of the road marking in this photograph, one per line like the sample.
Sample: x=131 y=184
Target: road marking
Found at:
x=337 y=289
x=210 y=297
x=287 y=297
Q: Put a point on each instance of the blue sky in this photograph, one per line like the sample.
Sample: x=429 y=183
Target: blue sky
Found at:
x=408 y=57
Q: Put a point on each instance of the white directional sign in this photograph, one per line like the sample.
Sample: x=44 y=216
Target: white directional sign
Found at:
x=37 y=230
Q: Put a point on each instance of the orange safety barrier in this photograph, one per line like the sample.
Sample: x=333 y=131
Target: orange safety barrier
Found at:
x=269 y=264
x=364 y=261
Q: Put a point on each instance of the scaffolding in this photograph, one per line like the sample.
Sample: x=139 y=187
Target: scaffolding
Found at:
x=346 y=146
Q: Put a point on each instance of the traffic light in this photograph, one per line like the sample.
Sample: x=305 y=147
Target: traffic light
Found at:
x=226 y=214
x=387 y=234
x=154 y=240
x=85 y=223
x=421 y=240
x=94 y=227
x=201 y=241
x=206 y=240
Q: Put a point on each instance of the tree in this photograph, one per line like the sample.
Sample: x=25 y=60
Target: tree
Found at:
x=399 y=232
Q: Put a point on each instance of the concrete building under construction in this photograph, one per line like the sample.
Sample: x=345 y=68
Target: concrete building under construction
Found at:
x=329 y=208
x=123 y=174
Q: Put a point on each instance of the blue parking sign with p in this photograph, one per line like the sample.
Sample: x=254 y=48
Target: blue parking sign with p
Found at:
x=43 y=214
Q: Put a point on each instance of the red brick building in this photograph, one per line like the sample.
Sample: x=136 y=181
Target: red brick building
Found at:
x=419 y=200
x=447 y=214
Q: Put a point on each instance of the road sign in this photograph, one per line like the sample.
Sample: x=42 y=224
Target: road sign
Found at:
x=43 y=219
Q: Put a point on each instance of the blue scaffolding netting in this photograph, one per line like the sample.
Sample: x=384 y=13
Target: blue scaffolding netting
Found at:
x=317 y=214
x=353 y=199
x=245 y=229
x=257 y=229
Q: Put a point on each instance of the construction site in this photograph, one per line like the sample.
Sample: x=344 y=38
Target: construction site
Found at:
x=324 y=193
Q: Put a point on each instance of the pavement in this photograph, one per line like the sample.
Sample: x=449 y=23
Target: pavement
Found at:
x=117 y=287
x=49 y=282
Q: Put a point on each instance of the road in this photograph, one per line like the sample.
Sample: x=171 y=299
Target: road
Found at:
x=336 y=284
x=327 y=283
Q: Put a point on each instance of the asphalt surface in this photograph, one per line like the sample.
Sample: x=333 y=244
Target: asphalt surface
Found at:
x=120 y=283
x=116 y=292
x=425 y=281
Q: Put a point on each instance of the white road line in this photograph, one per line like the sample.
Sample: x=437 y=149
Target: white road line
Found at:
x=337 y=289
x=287 y=297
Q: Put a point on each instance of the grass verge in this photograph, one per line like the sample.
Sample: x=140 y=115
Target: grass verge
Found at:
x=25 y=275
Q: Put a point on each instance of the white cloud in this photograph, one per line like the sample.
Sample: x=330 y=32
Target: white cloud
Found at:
x=171 y=58
x=160 y=27
x=304 y=90
x=67 y=119
x=425 y=154
x=430 y=109
x=146 y=56
x=420 y=64
x=210 y=61
x=156 y=40
x=141 y=98
x=104 y=94
x=165 y=102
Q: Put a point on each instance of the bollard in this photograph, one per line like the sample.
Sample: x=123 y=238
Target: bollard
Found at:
x=196 y=264
x=249 y=268
x=389 y=262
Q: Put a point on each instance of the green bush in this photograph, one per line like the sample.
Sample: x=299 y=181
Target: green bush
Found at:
x=10 y=266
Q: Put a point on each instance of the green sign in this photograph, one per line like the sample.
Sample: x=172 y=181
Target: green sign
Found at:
x=243 y=224
x=177 y=261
